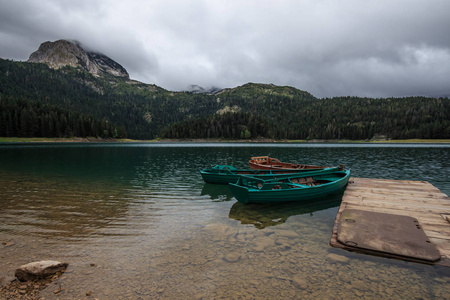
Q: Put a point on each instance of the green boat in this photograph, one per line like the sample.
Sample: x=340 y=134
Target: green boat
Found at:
x=289 y=188
x=223 y=174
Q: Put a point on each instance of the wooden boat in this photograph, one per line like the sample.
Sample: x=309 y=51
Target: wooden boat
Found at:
x=224 y=174
x=290 y=188
x=269 y=163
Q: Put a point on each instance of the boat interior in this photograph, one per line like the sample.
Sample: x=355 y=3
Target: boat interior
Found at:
x=288 y=182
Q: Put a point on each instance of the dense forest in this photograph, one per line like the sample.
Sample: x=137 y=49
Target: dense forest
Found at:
x=23 y=118
x=228 y=126
x=337 y=118
x=38 y=101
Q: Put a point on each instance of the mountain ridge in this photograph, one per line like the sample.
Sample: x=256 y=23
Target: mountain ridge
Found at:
x=72 y=53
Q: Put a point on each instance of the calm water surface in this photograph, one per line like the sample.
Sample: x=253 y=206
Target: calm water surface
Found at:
x=137 y=221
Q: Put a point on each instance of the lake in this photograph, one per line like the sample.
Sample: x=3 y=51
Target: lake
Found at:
x=136 y=221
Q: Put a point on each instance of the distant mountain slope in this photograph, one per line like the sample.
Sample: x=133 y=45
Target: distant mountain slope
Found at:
x=193 y=88
x=63 y=53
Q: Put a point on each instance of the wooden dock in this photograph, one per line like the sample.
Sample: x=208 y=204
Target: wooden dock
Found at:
x=416 y=199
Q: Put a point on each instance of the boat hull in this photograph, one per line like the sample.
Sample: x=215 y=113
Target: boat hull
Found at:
x=226 y=176
x=246 y=194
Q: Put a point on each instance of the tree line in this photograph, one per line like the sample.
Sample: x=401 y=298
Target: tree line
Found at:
x=24 y=118
x=350 y=118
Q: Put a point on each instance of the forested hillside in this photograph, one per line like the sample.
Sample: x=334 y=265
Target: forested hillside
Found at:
x=25 y=118
x=117 y=107
x=142 y=109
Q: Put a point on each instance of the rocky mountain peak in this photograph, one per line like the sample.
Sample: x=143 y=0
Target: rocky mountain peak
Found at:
x=71 y=53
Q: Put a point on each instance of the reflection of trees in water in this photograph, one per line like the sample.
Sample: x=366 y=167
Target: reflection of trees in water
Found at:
x=265 y=215
x=59 y=208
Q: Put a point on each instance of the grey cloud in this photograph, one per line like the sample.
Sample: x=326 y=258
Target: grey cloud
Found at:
x=329 y=48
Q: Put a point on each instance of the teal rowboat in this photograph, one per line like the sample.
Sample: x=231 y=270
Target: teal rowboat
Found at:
x=223 y=174
x=289 y=188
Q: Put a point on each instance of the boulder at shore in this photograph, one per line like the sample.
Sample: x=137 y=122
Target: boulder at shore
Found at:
x=39 y=269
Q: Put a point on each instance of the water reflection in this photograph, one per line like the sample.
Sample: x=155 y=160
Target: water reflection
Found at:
x=266 y=215
x=217 y=192
x=56 y=208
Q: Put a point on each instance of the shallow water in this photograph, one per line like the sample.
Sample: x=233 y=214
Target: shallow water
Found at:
x=137 y=221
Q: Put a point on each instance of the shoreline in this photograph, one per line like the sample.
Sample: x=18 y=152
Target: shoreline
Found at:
x=109 y=140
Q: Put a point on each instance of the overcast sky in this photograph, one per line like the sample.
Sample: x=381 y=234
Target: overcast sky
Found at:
x=374 y=48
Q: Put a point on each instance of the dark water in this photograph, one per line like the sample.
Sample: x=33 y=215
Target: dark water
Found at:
x=137 y=221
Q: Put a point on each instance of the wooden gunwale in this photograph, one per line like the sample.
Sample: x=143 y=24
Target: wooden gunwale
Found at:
x=270 y=163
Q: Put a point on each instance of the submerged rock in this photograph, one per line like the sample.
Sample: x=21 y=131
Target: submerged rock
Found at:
x=300 y=282
x=262 y=243
x=331 y=257
x=232 y=257
x=7 y=244
x=286 y=233
x=221 y=231
x=39 y=269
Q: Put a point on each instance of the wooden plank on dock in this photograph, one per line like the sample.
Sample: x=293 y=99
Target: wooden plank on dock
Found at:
x=416 y=199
